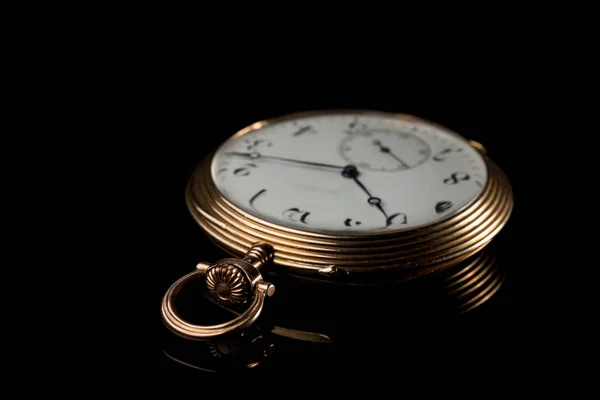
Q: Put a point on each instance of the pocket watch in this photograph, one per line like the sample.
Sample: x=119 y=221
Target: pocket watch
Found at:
x=349 y=197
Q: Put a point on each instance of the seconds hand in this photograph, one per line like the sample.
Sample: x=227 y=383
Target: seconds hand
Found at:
x=385 y=149
x=256 y=156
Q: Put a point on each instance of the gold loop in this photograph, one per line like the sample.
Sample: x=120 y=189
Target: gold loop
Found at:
x=199 y=332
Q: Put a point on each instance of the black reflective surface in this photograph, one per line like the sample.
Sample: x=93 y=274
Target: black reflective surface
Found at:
x=462 y=310
x=359 y=329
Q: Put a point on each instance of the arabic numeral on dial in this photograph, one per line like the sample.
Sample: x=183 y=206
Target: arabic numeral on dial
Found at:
x=304 y=129
x=442 y=206
x=256 y=196
x=355 y=126
x=296 y=215
x=401 y=219
x=440 y=156
x=456 y=178
x=244 y=171
x=351 y=222
x=253 y=144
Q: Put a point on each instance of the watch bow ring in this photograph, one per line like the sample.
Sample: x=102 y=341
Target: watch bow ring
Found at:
x=231 y=282
x=346 y=197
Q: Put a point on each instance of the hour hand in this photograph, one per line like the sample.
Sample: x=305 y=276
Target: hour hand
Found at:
x=351 y=172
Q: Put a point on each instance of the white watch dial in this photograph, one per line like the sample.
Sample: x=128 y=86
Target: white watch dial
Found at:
x=348 y=174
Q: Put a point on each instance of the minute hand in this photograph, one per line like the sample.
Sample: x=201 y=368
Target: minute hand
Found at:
x=256 y=156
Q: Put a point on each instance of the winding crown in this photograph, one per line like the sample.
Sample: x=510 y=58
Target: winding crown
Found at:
x=228 y=285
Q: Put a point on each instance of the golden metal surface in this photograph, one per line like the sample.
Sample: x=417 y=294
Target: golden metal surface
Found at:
x=411 y=253
x=473 y=282
x=231 y=282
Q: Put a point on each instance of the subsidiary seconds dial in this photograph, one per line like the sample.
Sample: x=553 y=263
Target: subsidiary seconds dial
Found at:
x=385 y=150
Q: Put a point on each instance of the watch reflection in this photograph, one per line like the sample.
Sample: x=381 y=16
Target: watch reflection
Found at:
x=324 y=325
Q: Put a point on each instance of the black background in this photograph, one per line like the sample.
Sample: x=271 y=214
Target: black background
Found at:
x=199 y=111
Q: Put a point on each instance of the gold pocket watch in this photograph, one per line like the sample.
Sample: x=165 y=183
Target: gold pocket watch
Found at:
x=348 y=197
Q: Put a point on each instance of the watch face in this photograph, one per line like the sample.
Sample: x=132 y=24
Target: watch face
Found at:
x=349 y=173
